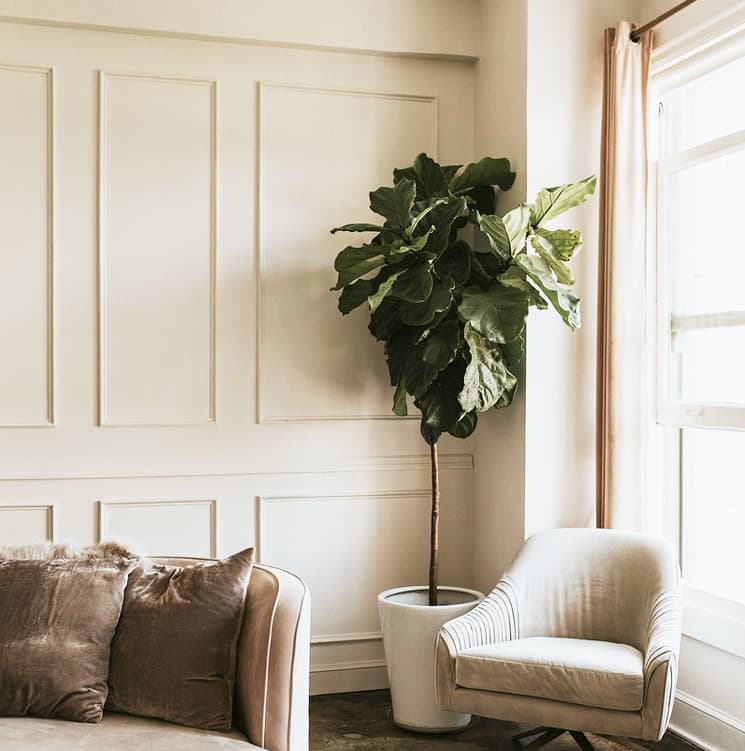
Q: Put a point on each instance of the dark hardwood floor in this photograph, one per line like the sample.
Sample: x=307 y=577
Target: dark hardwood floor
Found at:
x=362 y=721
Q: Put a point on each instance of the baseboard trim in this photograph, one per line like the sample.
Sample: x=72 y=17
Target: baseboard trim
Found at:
x=705 y=725
x=346 y=677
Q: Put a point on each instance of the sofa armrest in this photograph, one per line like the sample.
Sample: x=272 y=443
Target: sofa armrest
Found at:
x=273 y=667
x=661 y=665
x=494 y=619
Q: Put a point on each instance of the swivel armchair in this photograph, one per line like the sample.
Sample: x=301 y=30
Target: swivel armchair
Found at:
x=582 y=633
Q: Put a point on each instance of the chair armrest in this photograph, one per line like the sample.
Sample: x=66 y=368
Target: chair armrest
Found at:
x=661 y=665
x=273 y=666
x=494 y=619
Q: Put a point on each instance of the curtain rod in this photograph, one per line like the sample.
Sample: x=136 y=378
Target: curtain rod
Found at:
x=636 y=33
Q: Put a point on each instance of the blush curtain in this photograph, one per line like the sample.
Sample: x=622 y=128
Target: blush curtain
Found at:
x=621 y=281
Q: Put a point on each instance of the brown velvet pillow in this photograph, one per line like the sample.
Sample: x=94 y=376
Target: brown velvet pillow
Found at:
x=57 y=619
x=174 y=652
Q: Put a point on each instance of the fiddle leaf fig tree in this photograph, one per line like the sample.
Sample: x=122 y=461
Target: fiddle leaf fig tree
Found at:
x=449 y=283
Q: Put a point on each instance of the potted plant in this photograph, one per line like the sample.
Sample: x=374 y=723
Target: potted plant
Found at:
x=449 y=283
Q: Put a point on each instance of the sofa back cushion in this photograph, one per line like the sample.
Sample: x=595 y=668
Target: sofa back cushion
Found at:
x=174 y=653
x=57 y=620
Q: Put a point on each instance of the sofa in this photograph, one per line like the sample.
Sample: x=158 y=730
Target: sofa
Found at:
x=271 y=688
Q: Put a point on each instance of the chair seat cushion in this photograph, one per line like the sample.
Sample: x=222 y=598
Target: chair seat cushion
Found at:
x=579 y=671
x=116 y=732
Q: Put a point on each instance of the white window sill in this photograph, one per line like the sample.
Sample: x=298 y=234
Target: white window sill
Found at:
x=713 y=620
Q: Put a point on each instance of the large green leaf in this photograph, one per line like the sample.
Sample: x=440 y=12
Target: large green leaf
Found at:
x=486 y=376
x=515 y=277
x=377 y=296
x=423 y=313
x=353 y=262
x=415 y=283
x=484 y=198
x=560 y=269
x=439 y=404
x=516 y=222
x=395 y=253
x=497 y=313
x=442 y=218
x=514 y=351
x=493 y=227
x=507 y=396
x=431 y=356
x=353 y=295
x=398 y=349
x=409 y=232
x=450 y=170
x=386 y=320
x=551 y=202
x=465 y=426
x=360 y=227
x=488 y=171
x=394 y=203
x=427 y=174
x=565 y=242
x=400 y=408
x=456 y=262
x=563 y=300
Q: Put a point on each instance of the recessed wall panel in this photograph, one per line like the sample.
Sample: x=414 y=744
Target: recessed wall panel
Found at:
x=26 y=236
x=24 y=525
x=368 y=543
x=156 y=250
x=168 y=528
x=321 y=152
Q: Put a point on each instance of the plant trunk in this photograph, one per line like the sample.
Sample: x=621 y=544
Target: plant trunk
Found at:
x=434 y=540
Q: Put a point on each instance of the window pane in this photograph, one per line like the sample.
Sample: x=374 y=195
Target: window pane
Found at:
x=713 y=511
x=706 y=108
x=711 y=365
x=707 y=258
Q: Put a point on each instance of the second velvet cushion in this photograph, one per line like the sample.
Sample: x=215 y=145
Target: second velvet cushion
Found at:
x=174 y=653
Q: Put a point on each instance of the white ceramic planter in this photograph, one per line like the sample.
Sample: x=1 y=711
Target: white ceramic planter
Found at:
x=410 y=627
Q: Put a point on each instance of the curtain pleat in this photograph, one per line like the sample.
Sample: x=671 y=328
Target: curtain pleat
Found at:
x=622 y=281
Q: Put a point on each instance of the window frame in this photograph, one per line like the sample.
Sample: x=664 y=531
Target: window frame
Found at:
x=706 y=617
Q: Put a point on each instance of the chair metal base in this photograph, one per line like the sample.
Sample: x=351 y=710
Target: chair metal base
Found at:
x=545 y=736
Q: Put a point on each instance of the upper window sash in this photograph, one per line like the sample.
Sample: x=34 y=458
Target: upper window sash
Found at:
x=671 y=411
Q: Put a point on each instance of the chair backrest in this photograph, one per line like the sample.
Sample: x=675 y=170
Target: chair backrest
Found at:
x=591 y=584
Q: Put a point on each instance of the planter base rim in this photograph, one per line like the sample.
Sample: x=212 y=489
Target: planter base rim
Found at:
x=448 y=730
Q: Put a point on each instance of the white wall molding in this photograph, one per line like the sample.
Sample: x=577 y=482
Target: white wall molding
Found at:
x=263 y=500
x=384 y=27
x=357 y=675
x=705 y=725
x=104 y=532
x=362 y=636
x=104 y=76
x=299 y=466
x=48 y=72
x=263 y=377
x=347 y=665
x=45 y=510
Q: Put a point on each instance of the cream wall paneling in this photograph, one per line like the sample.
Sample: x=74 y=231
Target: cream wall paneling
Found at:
x=157 y=249
x=185 y=453
x=364 y=27
x=162 y=527
x=364 y=543
x=27 y=246
x=312 y=364
x=162 y=410
x=26 y=523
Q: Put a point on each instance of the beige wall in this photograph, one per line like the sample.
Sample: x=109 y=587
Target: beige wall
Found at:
x=174 y=364
x=500 y=130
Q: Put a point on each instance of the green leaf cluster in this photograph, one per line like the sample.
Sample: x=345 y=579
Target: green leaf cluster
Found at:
x=452 y=317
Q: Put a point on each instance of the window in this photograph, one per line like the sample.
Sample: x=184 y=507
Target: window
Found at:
x=700 y=312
